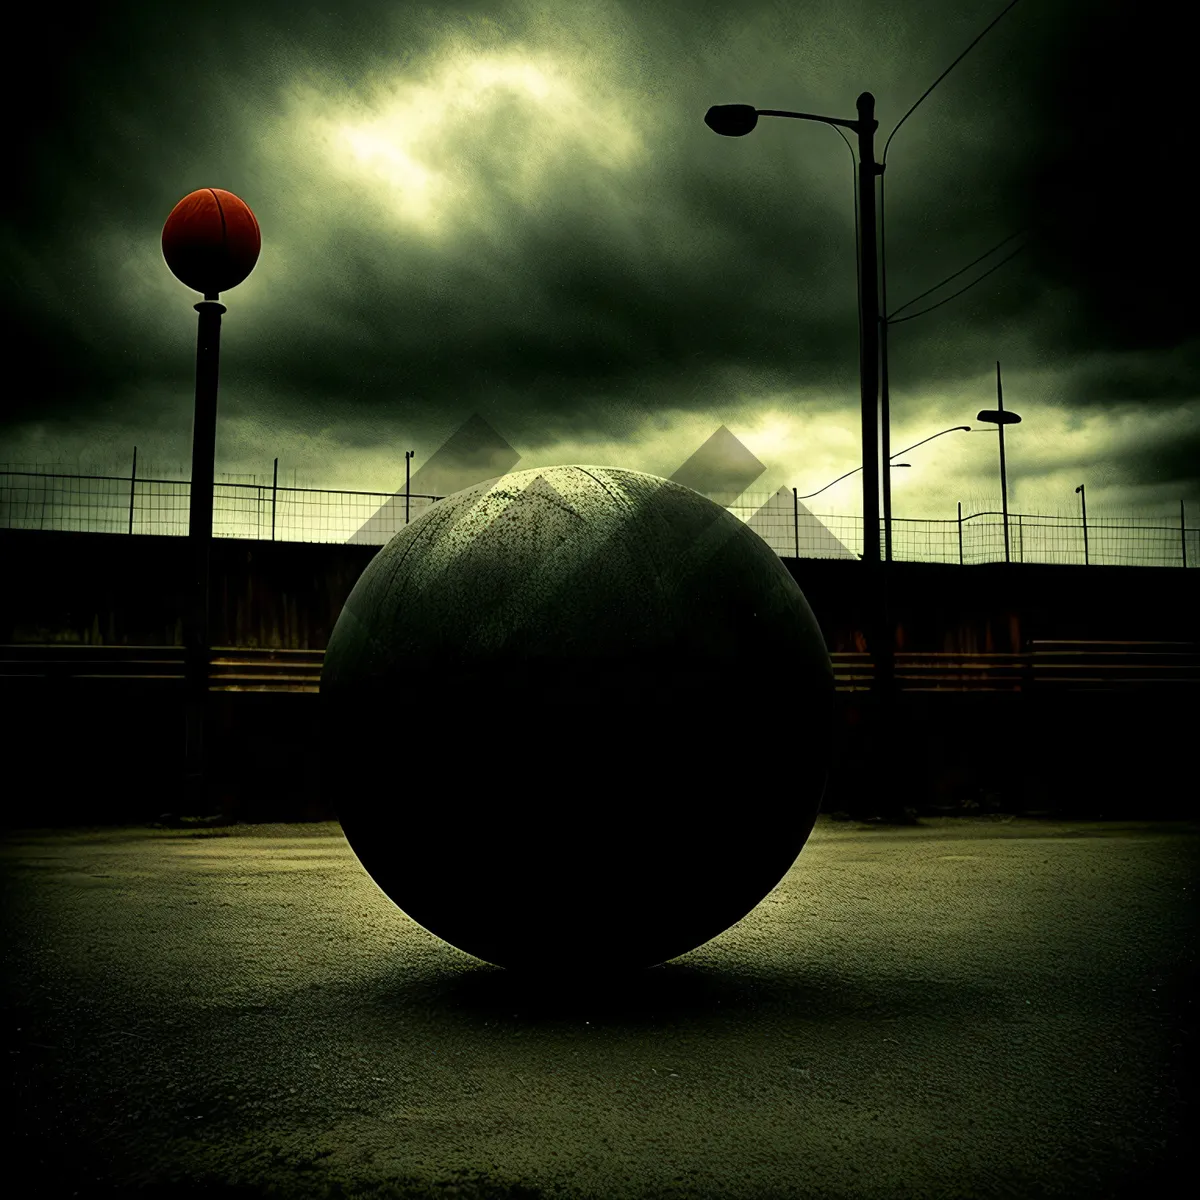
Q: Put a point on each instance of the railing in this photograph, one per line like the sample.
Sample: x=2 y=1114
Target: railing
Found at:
x=130 y=504
x=1046 y=665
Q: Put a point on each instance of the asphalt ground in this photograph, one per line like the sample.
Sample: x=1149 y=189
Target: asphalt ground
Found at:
x=968 y=1007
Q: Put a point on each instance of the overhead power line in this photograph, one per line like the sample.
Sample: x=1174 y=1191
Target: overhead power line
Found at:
x=956 y=274
x=943 y=75
x=883 y=162
x=960 y=291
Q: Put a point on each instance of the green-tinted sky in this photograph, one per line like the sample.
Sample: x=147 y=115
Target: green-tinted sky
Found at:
x=516 y=210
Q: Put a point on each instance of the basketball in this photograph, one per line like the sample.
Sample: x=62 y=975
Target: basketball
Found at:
x=211 y=240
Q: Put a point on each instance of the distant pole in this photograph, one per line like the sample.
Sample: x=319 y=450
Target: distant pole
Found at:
x=1182 y=534
x=274 y=491
x=132 y=479
x=1003 y=469
x=885 y=438
x=960 y=553
x=1079 y=491
x=1020 y=538
x=796 y=521
x=407 y=461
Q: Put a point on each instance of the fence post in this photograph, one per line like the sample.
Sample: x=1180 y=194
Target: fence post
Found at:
x=960 y=554
x=132 y=478
x=796 y=520
x=1182 y=534
x=274 y=489
x=1020 y=539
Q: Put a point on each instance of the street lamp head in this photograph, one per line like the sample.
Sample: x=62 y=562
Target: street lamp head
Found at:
x=1079 y=489
x=731 y=120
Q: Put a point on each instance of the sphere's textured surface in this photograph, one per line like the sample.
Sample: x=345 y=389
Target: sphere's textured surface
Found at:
x=211 y=240
x=579 y=719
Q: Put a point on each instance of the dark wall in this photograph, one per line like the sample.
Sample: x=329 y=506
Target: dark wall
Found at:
x=121 y=589
x=114 y=750
x=999 y=607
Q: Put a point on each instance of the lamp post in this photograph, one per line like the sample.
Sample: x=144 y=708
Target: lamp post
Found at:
x=1079 y=491
x=737 y=120
x=407 y=460
x=999 y=417
x=210 y=243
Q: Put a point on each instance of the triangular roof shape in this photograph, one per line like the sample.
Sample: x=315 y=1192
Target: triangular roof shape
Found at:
x=781 y=523
x=475 y=453
x=722 y=469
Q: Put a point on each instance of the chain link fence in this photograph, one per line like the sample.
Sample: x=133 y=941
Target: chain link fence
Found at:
x=247 y=507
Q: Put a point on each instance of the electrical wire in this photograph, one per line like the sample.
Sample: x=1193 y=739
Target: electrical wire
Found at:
x=943 y=75
x=956 y=274
x=883 y=161
x=960 y=291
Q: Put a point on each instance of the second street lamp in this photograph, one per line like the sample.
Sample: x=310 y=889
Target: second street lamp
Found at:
x=999 y=417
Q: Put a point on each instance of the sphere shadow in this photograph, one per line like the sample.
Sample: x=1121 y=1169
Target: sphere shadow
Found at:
x=697 y=994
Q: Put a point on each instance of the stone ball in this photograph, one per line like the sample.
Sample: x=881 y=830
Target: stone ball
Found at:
x=578 y=719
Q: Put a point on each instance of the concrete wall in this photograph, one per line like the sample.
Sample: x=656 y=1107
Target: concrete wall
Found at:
x=114 y=750
x=120 y=589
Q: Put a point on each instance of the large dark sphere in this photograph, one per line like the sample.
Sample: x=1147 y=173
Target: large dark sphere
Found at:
x=580 y=720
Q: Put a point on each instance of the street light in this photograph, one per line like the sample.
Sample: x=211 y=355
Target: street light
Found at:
x=737 y=120
x=407 y=460
x=846 y=476
x=964 y=428
x=998 y=417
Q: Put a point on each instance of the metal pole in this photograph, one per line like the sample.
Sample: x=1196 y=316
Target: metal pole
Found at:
x=796 y=522
x=1083 y=504
x=868 y=292
x=1003 y=469
x=1182 y=534
x=407 y=460
x=960 y=554
x=880 y=732
x=885 y=437
x=204 y=442
x=274 y=491
x=132 y=478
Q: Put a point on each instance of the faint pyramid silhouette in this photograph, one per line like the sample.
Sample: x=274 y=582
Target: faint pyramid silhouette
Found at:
x=722 y=469
x=782 y=522
x=475 y=453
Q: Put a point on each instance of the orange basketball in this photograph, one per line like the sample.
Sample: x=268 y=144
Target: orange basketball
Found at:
x=211 y=240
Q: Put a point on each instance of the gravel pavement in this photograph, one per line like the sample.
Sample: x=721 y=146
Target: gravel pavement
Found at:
x=964 y=1008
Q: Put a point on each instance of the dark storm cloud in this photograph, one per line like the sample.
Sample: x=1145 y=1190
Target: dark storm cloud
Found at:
x=591 y=256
